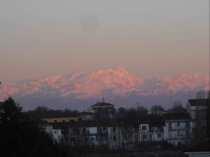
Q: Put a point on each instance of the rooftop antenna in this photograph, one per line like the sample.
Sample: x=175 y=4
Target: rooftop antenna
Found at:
x=103 y=99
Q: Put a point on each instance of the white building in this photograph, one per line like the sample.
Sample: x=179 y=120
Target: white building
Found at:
x=102 y=110
x=91 y=133
x=178 y=129
x=54 y=132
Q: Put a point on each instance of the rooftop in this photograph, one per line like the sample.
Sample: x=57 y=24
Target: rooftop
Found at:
x=196 y=102
x=87 y=123
x=100 y=104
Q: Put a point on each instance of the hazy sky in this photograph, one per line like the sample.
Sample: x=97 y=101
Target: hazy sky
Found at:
x=149 y=38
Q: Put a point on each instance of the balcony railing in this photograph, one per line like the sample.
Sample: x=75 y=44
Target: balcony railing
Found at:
x=178 y=128
x=155 y=130
x=177 y=137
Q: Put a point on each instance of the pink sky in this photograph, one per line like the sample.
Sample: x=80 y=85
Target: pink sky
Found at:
x=148 y=38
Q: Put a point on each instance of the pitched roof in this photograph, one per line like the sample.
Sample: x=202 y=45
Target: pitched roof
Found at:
x=100 y=104
x=203 y=146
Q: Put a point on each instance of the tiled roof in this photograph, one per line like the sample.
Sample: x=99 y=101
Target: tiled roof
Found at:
x=102 y=104
x=200 y=147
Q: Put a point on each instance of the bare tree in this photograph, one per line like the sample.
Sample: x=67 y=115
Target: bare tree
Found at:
x=157 y=109
x=178 y=107
x=65 y=132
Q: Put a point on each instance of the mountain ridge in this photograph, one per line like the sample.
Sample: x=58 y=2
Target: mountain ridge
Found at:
x=113 y=84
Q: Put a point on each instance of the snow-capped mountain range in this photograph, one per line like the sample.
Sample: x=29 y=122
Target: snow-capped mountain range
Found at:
x=81 y=89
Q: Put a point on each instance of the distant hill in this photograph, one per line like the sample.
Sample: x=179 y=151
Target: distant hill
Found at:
x=81 y=89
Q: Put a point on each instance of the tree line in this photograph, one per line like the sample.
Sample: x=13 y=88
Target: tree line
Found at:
x=20 y=135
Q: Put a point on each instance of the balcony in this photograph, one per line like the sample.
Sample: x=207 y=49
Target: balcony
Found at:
x=173 y=137
x=177 y=128
x=156 y=130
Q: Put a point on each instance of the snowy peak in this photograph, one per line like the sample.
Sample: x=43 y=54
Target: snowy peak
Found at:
x=185 y=82
x=111 y=83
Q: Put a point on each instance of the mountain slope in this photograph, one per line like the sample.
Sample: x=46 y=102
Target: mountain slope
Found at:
x=116 y=85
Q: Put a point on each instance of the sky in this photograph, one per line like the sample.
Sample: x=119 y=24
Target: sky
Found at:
x=149 y=38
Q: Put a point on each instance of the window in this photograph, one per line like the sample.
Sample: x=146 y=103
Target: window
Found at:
x=104 y=128
x=114 y=129
x=159 y=135
x=169 y=125
x=178 y=123
x=83 y=131
x=55 y=120
x=114 y=138
x=178 y=133
x=55 y=132
x=64 y=120
x=144 y=127
x=99 y=130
